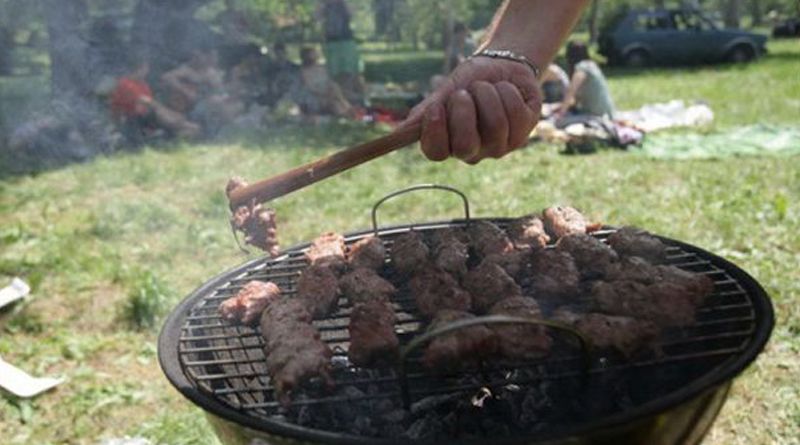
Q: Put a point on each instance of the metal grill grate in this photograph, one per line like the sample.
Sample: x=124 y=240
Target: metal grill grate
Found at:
x=227 y=362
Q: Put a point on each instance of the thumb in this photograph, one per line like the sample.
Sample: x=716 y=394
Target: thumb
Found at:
x=417 y=114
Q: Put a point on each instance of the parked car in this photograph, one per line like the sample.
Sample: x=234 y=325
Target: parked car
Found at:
x=673 y=37
x=788 y=28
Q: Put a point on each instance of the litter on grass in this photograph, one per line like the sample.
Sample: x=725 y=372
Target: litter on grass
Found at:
x=22 y=384
x=17 y=290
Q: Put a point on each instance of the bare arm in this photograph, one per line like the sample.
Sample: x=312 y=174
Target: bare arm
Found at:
x=487 y=107
x=574 y=86
x=176 y=80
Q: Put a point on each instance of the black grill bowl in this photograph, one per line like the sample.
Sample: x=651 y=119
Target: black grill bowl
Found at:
x=220 y=367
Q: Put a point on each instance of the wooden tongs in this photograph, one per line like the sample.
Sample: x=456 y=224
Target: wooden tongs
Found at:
x=258 y=222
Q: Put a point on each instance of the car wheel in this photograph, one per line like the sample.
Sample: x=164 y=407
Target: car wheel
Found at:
x=637 y=58
x=741 y=54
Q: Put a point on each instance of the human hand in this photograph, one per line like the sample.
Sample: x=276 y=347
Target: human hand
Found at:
x=485 y=109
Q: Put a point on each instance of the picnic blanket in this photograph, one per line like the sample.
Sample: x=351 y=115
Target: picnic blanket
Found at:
x=751 y=140
x=672 y=114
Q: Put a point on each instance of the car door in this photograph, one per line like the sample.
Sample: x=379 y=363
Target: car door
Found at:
x=689 y=39
x=699 y=39
x=654 y=31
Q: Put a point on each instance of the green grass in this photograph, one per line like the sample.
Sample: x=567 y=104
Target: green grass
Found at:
x=94 y=237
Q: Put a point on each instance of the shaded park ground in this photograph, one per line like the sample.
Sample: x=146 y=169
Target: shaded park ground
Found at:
x=111 y=245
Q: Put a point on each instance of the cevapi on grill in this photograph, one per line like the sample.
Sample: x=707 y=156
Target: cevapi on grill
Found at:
x=373 y=341
x=455 y=274
x=460 y=349
x=293 y=348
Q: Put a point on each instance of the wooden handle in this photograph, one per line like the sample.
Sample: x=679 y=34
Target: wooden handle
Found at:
x=299 y=177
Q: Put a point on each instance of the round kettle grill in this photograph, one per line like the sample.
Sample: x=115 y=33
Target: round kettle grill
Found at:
x=572 y=396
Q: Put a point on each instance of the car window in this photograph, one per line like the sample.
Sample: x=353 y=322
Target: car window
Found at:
x=688 y=22
x=653 y=22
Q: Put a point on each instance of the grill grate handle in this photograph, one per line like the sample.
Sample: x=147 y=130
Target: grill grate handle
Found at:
x=415 y=188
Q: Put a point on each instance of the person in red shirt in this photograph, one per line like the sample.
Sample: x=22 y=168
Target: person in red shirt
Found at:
x=138 y=113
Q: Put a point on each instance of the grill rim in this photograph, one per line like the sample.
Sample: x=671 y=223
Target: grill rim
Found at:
x=169 y=342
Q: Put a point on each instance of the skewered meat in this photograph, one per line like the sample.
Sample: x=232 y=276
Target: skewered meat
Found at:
x=409 y=253
x=624 y=334
x=256 y=222
x=247 y=305
x=328 y=250
x=489 y=283
x=554 y=274
x=487 y=239
x=560 y=221
x=514 y=262
x=520 y=341
x=455 y=350
x=528 y=231
x=373 y=341
x=435 y=290
x=318 y=290
x=368 y=252
x=671 y=299
x=293 y=348
x=630 y=242
x=363 y=285
x=593 y=257
x=450 y=252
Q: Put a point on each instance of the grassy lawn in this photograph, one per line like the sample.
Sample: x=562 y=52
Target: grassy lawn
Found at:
x=109 y=244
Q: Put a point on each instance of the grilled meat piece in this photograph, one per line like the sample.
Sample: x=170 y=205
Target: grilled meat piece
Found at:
x=670 y=298
x=489 y=283
x=515 y=262
x=318 y=290
x=247 y=305
x=528 y=231
x=409 y=253
x=367 y=252
x=373 y=341
x=293 y=349
x=625 y=334
x=363 y=285
x=560 y=221
x=256 y=222
x=448 y=235
x=520 y=341
x=258 y=226
x=698 y=286
x=435 y=290
x=593 y=257
x=459 y=349
x=450 y=251
x=328 y=250
x=633 y=242
x=554 y=274
x=487 y=239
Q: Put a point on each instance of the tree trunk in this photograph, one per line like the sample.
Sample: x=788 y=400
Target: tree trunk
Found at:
x=756 y=13
x=593 y=13
x=66 y=25
x=166 y=31
x=731 y=13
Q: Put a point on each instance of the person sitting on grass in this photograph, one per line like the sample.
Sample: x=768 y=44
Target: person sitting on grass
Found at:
x=588 y=94
x=317 y=93
x=137 y=113
x=198 y=89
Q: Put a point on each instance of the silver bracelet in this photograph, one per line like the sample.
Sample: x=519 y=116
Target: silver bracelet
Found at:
x=509 y=55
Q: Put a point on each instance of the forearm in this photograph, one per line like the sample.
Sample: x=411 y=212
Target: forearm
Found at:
x=534 y=28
